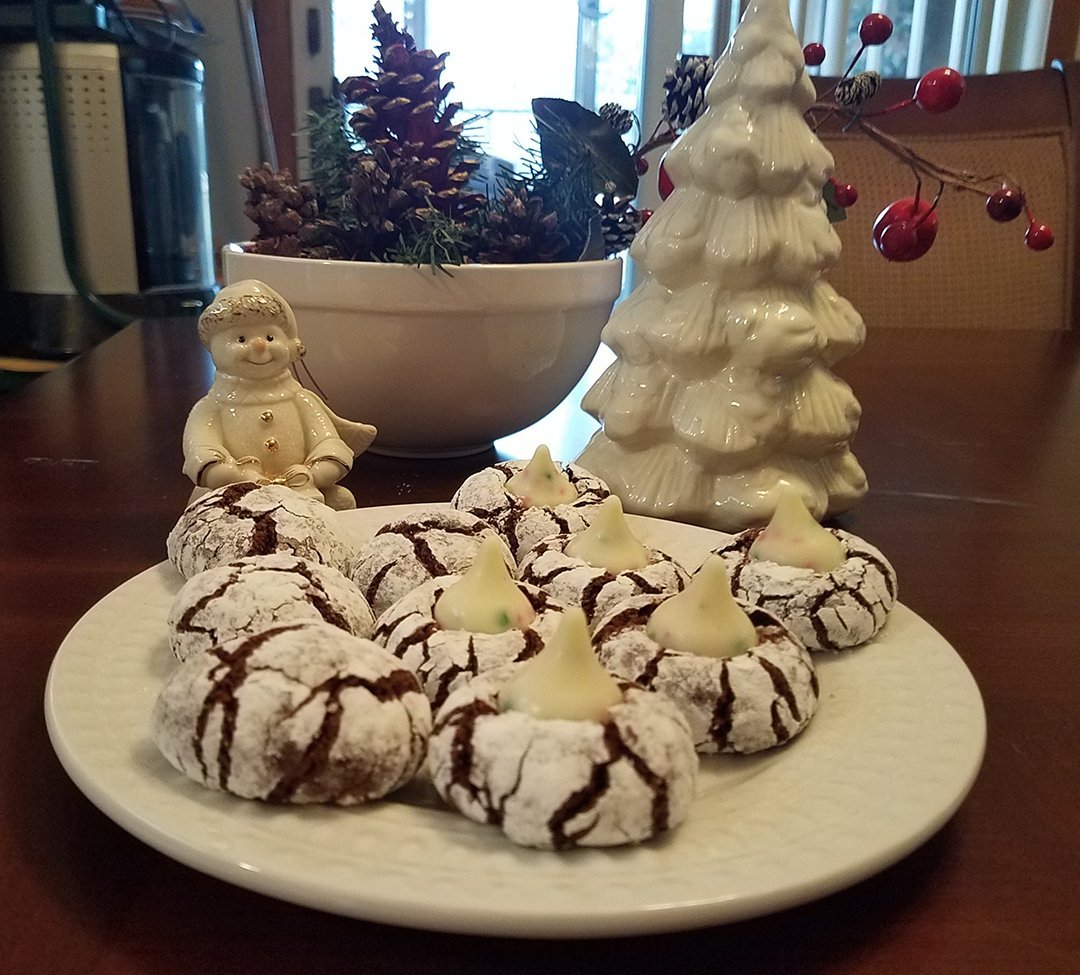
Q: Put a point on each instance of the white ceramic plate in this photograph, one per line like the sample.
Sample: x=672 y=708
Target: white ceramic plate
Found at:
x=892 y=751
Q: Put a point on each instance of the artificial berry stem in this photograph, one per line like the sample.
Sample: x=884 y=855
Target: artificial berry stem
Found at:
x=663 y=135
x=895 y=107
x=958 y=178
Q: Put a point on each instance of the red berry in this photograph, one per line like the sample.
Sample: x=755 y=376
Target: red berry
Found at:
x=642 y=165
x=645 y=213
x=1005 y=204
x=921 y=219
x=939 y=90
x=663 y=181
x=814 y=54
x=845 y=194
x=899 y=241
x=875 y=29
x=1039 y=236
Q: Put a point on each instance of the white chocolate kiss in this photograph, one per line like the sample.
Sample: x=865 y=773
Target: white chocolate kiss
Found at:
x=704 y=618
x=485 y=599
x=608 y=543
x=794 y=538
x=540 y=483
x=564 y=680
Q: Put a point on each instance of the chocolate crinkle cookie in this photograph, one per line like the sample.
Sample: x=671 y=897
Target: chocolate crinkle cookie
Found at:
x=826 y=610
x=596 y=590
x=742 y=703
x=409 y=551
x=484 y=494
x=252 y=594
x=240 y=520
x=557 y=783
x=299 y=713
x=444 y=659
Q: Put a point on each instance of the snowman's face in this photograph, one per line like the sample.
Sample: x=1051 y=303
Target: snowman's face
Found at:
x=256 y=351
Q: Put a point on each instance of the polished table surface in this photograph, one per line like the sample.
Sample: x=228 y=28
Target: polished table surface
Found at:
x=971 y=442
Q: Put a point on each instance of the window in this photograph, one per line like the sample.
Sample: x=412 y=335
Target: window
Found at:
x=503 y=53
x=587 y=51
x=974 y=36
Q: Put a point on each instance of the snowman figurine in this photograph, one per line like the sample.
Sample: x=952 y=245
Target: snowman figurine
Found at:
x=256 y=422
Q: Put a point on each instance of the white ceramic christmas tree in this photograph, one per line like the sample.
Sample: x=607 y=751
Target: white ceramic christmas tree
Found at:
x=722 y=388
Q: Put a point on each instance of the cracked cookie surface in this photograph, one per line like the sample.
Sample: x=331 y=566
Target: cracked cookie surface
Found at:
x=558 y=784
x=743 y=703
x=484 y=494
x=252 y=594
x=298 y=713
x=240 y=520
x=596 y=590
x=409 y=551
x=826 y=610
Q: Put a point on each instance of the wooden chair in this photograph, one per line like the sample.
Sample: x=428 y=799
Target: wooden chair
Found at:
x=978 y=274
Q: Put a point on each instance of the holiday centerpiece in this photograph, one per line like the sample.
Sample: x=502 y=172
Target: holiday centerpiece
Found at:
x=417 y=284
x=448 y=311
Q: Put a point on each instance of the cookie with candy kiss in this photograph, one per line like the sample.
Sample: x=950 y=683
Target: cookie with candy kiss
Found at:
x=741 y=679
x=527 y=501
x=560 y=754
x=454 y=627
x=832 y=589
x=602 y=565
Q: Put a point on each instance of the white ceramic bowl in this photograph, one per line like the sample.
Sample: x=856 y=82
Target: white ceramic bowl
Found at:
x=442 y=364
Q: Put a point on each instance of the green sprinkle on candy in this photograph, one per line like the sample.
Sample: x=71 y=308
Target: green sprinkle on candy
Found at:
x=504 y=619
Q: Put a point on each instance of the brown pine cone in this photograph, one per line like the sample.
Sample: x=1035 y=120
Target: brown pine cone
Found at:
x=282 y=210
x=518 y=231
x=403 y=110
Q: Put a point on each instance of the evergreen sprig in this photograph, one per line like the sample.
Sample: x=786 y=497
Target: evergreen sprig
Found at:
x=434 y=240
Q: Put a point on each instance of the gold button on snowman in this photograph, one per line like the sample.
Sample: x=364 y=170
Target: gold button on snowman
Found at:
x=251 y=333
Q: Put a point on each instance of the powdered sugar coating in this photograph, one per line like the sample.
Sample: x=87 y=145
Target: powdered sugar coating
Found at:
x=742 y=703
x=299 y=713
x=253 y=594
x=240 y=520
x=558 y=784
x=444 y=659
x=484 y=494
x=826 y=610
x=409 y=551
x=596 y=590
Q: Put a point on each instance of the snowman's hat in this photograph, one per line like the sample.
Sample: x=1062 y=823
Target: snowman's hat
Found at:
x=246 y=302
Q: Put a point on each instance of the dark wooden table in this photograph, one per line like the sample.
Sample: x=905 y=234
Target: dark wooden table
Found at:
x=972 y=445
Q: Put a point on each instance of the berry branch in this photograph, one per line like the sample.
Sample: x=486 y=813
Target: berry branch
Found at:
x=936 y=92
x=904 y=231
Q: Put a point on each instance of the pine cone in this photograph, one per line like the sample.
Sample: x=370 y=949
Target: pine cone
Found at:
x=620 y=222
x=852 y=92
x=382 y=191
x=685 y=86
x=284 y=212
x=518 y=231
x=403 y=110
x=619 y=118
